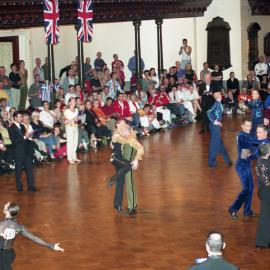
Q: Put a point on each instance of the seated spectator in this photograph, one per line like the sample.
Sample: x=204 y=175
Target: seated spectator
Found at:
x=160 y=100
x=61 y=142
x=6 y=151
x=6 y=120
x=39 y=146
x=204 y=71
x=44 y=134
x=154 y=77
x=142 y=96
x=214 y=246
x=242 y=98
x=233 y=86
x=190 y=74
x=57 y=110
x=175 y=98
x=121 y=107
x=93 y=125
x=34 y=93
x=217 y=78
x=83 y=139
x=71 y=79
x=230 y=106
x=4 y=105
x=95 y=82
x=60 y=94
x=146 y=81
x=172 y=73
x=180 y=73
x=148 y=119
x=3 y=93
x=187 y=97
x=114 y=86
x=264 y=87
x=99 y=63
x=252 y=81
x=47 y=117
x=108 y=109
x=79 y=92
x=102 y=117
x=70 y=94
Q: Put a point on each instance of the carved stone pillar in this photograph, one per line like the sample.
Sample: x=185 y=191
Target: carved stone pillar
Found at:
x=159 y=23
x=137 y=25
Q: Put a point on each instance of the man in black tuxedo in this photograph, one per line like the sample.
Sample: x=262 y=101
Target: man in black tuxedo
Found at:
x=207 y=100
x=23 y=153
x=214 y=246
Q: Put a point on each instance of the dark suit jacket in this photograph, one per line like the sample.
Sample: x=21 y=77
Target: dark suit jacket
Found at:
x=214 y=264
x=21 y=147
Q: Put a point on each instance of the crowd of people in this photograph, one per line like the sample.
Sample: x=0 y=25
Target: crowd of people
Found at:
x=62 y=118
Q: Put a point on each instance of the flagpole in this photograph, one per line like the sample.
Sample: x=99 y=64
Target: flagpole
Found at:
x=49 y=62
x=53 y=65
x=82 y=65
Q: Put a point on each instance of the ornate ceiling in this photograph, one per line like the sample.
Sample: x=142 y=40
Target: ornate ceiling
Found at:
x=260 y=7
x=28 y=13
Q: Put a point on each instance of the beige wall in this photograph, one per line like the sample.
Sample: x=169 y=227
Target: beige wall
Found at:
x=119 y=38
x=247 y=19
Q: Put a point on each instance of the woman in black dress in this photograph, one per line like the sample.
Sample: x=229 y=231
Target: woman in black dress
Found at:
x=263 y=171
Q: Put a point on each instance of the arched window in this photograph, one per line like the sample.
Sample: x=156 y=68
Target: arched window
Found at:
x=267 y=44
x=218 y=46
x=253 y=50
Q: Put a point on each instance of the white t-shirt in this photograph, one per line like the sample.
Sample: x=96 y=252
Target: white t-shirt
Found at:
x=46 y=118
x=261 y=69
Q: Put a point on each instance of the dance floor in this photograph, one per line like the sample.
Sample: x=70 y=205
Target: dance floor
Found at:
x=180 y=201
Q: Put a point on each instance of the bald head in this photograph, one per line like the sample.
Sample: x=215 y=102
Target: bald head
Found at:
x=215 y=242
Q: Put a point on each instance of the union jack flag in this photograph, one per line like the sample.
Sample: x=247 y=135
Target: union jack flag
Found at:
x=85 y=20
x=51 y=21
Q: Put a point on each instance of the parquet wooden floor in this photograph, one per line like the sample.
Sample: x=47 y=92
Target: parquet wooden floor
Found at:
x=180 y=200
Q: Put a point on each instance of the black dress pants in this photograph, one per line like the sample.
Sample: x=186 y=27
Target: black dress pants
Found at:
x=7 y=257
x=122 y=168
x=27 y=163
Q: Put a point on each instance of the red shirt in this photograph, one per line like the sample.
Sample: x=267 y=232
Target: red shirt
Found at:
x=123 y=110
x=107 y=110
x=160 y=99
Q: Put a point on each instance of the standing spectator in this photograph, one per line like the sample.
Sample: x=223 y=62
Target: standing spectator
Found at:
x=3 y=75
x=185 y=52
x=71 y=122
x=117 y=62
x=71 y=79
x=214 y=246
x=34 y=93
x=217 y=79
x=45 y=68
x=99 y=63
x=23 y=153
x=87 y=73
x=132 y=64
x=114 y=86
x=204 y=71
x=16 y=83
x=233 y=86
x=38 y=70
x=24 y=88
x=261 y=68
